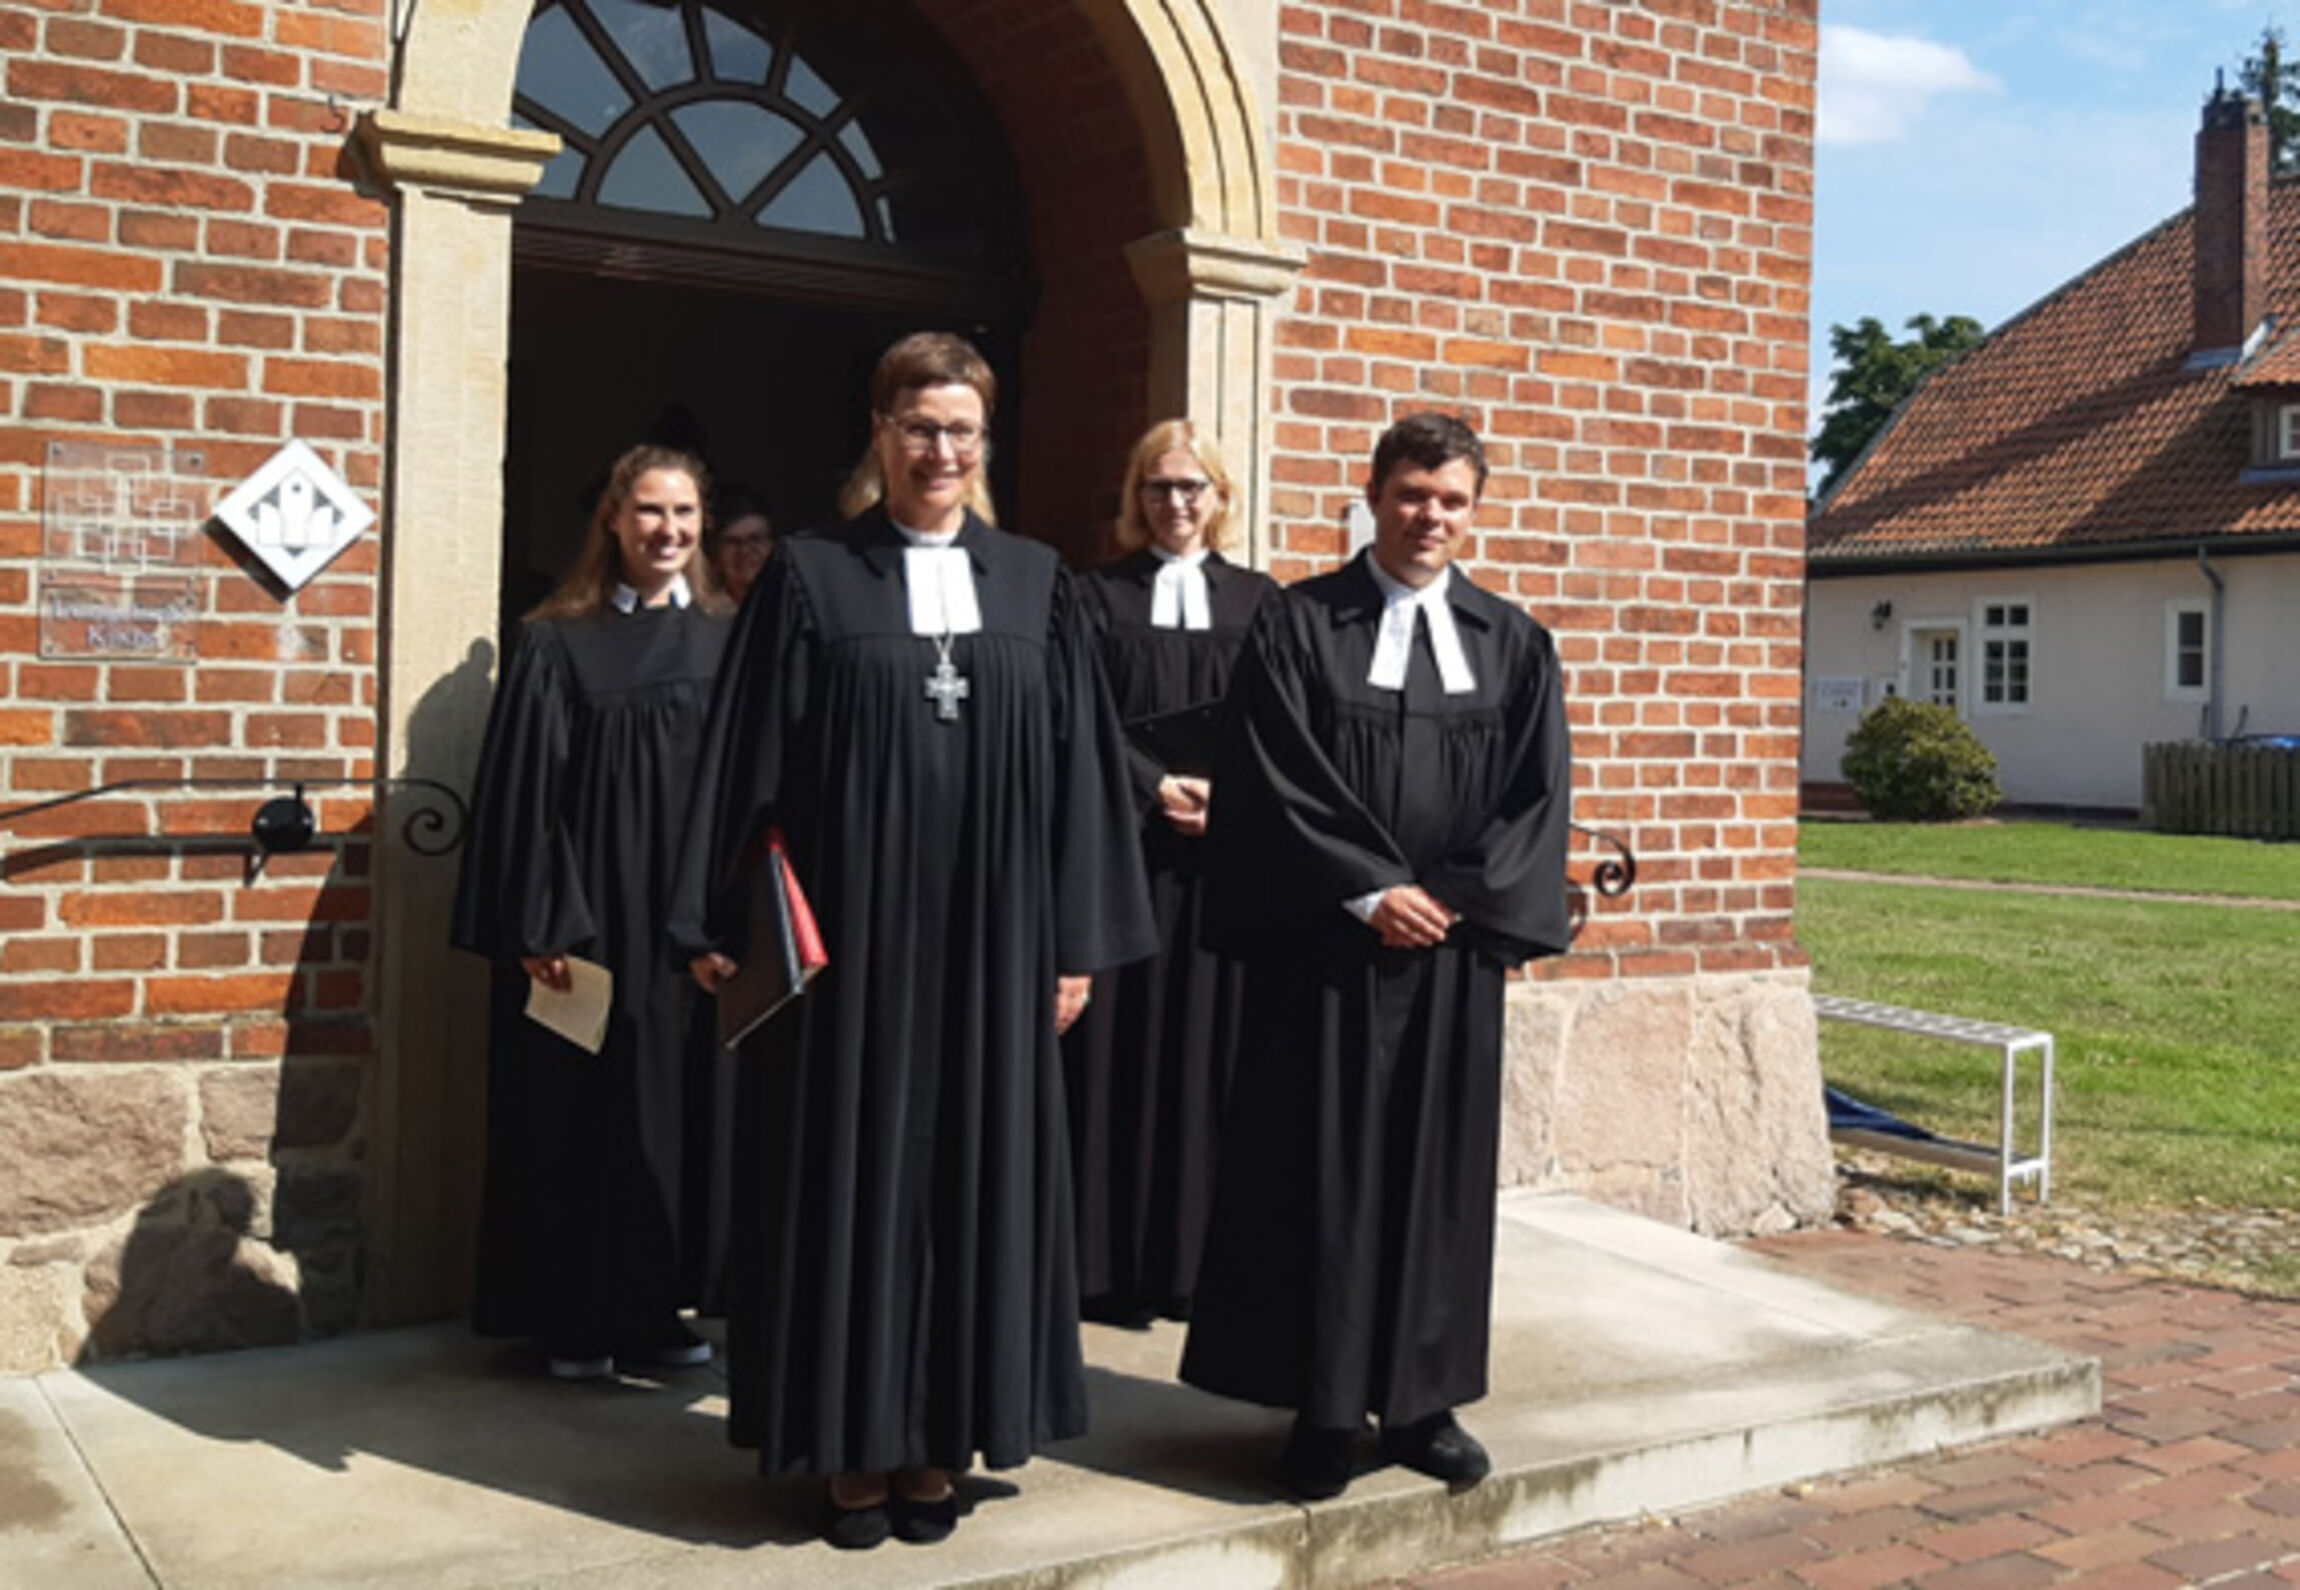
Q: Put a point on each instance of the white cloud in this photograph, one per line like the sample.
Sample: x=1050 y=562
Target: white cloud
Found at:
x=1988 y=211
x=1874 y=86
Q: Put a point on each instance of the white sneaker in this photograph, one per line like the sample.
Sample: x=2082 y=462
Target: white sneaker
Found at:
x=581 y=1366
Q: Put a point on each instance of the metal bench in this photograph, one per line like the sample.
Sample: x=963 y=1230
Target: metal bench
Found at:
x=2004 y=1161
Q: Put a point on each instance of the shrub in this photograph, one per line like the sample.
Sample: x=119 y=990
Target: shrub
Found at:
x=1915 y=762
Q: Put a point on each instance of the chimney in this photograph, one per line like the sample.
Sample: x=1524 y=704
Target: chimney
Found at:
x=2231 y=232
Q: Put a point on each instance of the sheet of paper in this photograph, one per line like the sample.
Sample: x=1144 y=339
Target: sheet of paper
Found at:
x=580 y=1014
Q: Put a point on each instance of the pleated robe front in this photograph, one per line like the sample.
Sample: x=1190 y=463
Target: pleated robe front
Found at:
x=1149 y=1063
x=595 y=1220
x=904 y=1289
x=1349 y=1264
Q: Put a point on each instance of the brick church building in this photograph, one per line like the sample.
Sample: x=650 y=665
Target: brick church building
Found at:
x=466 y=250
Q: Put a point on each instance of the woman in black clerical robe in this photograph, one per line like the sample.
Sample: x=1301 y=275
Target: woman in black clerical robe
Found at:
x=594 y=1225
x=1149 y=1063
x=913 y=698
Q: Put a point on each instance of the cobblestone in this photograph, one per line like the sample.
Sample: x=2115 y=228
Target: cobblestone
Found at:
x=2245 y=1250
x=2190 y=1476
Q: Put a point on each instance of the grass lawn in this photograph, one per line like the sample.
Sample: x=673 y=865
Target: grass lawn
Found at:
x=2038 y=852
x=2175 y=1024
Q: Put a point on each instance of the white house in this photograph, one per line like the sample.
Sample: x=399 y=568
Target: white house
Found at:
x=2084 y=534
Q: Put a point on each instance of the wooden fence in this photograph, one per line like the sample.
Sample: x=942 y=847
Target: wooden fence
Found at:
x=2197 y=787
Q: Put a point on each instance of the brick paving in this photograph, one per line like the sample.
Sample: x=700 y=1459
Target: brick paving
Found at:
x=2190 y=1476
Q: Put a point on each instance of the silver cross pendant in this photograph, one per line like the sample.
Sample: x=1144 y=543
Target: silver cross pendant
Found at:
x=946 y=687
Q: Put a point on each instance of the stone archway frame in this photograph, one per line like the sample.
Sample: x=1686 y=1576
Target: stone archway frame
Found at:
x=1213 y=313
x=455 y=185
x=1214 y=275
x=1217 y=273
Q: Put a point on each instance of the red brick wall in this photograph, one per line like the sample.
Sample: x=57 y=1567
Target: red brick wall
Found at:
x=1583 y=223
x=1074 y=141
x=1586 y=226
x=184 y=265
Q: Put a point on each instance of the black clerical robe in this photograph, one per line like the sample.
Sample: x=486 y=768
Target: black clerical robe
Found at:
x=1349 y=1263
x=1149 y=1063
x=594 y=1225
x=903 y=1288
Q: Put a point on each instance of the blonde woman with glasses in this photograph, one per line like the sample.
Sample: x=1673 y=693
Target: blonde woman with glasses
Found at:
x=1149 y=1063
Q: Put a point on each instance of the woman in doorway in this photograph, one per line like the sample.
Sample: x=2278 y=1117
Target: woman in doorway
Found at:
x=594 y=1228
x=912 y=697
x=739 y=542
x=1149 y=1063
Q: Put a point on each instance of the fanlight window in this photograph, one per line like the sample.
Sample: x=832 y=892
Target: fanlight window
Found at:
x=677 y=109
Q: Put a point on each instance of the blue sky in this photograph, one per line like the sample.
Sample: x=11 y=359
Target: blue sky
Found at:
x=1976 y=154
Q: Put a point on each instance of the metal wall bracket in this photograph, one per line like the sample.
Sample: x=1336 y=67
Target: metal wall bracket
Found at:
x=285 y=824
x=1614 y=875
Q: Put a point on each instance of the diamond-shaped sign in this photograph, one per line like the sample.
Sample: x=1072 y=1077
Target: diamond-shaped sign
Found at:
x=295 y=514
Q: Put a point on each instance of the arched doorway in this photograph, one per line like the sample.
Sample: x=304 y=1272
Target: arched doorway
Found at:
x=751 y=199
x=1204 y=272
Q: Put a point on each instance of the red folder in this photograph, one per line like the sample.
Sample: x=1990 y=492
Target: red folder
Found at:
x=784 y=949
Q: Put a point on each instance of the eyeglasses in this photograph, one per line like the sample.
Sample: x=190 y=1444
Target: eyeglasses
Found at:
x=924 y=436
x=1186 y=491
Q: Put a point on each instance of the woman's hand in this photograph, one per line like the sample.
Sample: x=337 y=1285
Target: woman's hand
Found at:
x=1070 y=995
x=549 y=970
x=711 y=971
x=1184 y=800
x=1410 y=918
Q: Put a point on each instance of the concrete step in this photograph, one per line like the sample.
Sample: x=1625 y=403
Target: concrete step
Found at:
x=1636 y=1370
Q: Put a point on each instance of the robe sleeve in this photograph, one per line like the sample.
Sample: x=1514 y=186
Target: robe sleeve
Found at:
x=1102 y=896
x=1287 y=836
x=1508 y=882
x=1144 y=771
x=757 y=701
x=520 y=891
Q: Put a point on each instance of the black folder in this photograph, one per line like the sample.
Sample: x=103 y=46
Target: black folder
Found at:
x=1181 y=741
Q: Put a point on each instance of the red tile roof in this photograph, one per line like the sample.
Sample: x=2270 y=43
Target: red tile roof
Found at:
x=2079 y=426
x=2276 y=362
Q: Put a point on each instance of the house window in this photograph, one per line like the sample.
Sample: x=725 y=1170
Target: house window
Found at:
x=2187 y=642
x=2004 y=660
x=2288 y=432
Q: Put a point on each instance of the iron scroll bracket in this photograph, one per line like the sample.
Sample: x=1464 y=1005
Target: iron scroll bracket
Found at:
x=286 y=823
x=1614 y=875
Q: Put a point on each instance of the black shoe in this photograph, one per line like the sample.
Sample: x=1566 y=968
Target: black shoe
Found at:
x=859 y=1528
x=1316 y=1462
x=1438 y=1447
x=925 y=1523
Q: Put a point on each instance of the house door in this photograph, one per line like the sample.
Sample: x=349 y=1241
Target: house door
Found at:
x=1935 y=669
x=755 y=197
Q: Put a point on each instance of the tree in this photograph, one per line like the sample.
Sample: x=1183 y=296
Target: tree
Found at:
x=1875 y=375
x=2274 y=81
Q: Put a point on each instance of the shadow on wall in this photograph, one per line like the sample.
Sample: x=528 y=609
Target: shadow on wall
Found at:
x=196 y=1273
x=253 y=1235
x=427 y=1142
x=183 y=1170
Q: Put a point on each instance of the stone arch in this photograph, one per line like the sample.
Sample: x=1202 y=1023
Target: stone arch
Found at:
x=1211 y=276
x=1182 y=72
x=1183 y=75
